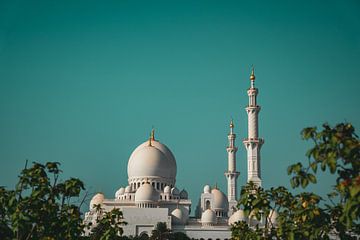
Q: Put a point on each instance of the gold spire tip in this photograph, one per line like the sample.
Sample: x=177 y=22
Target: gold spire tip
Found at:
x=252 y=75
x=231 y=124
x=152 y=136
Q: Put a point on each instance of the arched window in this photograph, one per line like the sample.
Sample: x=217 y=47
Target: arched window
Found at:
x=207 y=204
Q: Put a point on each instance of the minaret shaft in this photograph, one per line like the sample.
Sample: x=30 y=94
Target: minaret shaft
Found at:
x=253 y=143
x=231 y=174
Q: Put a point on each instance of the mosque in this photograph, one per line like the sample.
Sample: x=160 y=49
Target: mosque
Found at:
x=151 y=195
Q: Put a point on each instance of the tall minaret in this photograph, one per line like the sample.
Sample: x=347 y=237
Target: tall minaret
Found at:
x=253 y=143
x=231 y=174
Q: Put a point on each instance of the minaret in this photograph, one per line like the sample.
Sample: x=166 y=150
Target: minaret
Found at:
x=231 y=174
x=253 y=143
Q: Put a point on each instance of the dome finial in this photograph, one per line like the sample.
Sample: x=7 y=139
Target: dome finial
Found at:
x=152 y=134
x=231 y=126
x=252 y=75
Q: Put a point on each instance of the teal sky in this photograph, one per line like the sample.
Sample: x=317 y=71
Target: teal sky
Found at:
x=83 y=82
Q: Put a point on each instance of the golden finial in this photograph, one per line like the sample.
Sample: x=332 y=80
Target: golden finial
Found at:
x=231 y=124
x=150 y=138
x=252 y=75
x=152 y=134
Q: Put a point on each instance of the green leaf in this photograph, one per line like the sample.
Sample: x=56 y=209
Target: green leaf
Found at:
x=312 y=178
x=304 y=182
x=289 y=169
x=354 y=190
x=313 y=166
x=292 y=182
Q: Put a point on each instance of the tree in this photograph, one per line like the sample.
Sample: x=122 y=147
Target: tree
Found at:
x=307 y=215
x=108 y=225
x=43 y=207
x=161 y=232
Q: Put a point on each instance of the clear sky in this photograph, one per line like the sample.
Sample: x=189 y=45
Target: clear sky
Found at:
x=83 y=82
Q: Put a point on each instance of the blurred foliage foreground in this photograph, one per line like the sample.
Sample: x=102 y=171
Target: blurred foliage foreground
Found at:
x=44 y=207
x=307 y=215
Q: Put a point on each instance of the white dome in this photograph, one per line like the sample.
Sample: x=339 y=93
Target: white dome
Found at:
x=239 y=215
x=152 y=161
x=175 y=191
x=207 y=189
x=208 y=217
x=127 y=189
x=167 y=189
x=119 y=192
x=96 y=200
x=272 y=217
x=178 y=217
x=146 y=193
x=220 y=201
x=184 y=194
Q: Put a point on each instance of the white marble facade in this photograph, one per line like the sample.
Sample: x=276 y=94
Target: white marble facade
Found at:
x=151 y=195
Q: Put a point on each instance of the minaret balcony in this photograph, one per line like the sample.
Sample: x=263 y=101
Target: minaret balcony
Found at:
x=253 y=140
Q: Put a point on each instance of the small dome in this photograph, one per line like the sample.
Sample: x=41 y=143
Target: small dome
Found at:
x=239 y=215
x=96 y=200
x=184 y=194
x=146 y=193
x=119 y=192
x=208 y=217
x=128 y=189
x=207 y=189
x=175 y=191
x=272 y=217
x=252 y=219
x=167 y=189
x=220 y=201
x=178 y=217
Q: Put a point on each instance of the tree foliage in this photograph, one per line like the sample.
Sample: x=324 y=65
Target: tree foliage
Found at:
x=108 y=225
x=306 y=215
x=161 y=232
x=43 y=207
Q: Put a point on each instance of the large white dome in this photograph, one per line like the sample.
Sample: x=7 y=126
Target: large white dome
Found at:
x=152 y=160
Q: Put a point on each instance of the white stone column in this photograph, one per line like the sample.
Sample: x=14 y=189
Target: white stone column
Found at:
x=253 y=143
x=231 y=174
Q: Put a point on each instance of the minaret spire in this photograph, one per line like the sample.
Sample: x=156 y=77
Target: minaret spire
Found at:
x=152 y=136
x=231 y=174
x=253 y=143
